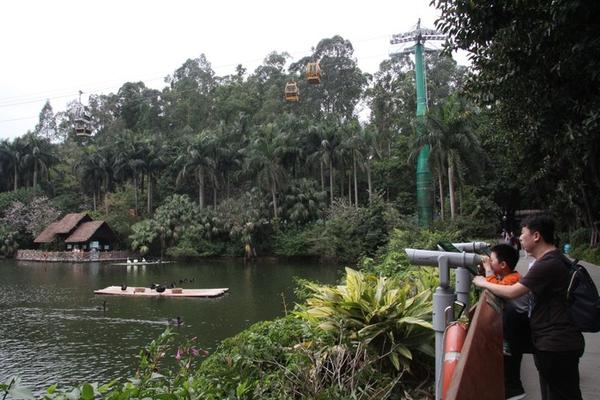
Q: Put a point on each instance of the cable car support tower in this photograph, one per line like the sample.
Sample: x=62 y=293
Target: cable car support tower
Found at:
x=424 y=180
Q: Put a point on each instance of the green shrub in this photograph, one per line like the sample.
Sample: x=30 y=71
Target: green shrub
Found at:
x=390 y=316
x=8 y=241
x=291 y=242
x=586 y=253
x=350 y=232
x=580 y=237
x=22 y=195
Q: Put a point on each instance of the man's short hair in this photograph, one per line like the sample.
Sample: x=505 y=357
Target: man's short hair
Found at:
x=542 y=224
x=506 y=253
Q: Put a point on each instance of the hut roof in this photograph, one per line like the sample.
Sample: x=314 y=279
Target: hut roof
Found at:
x=85 y=231
x=48 y=234
x=70 y=221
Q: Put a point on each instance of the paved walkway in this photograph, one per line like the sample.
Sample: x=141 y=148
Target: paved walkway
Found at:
x=589 y=364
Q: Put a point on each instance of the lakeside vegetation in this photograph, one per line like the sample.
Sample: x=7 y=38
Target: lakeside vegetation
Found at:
x=210 y=163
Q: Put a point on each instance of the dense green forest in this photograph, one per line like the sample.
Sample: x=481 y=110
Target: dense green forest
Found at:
x=211 y=162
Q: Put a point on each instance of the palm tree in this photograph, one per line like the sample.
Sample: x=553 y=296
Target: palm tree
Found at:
x=128 y=159
x=12 y=154
x=355 y=146
x=38 y=156
x=263 y=157
x=452 y=142
x=329 y=150
x=196 y=159
x=367 y=140
x=153 y=156
x=90 y=170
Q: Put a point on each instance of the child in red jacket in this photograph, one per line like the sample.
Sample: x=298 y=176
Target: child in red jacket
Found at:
x=500 y=269
x=500 y=265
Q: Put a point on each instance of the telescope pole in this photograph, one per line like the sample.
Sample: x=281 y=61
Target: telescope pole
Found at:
x=442 y=299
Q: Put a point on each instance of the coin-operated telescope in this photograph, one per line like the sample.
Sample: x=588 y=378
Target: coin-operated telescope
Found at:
x=469 y=247
x=444 y=296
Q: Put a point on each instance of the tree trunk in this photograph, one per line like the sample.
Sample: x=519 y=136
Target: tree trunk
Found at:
x=331 y=180
x=34 y=176
x=355 y=183
x=214 y=179
x=369 y=182
x=451 y=191
x=228 y=190
x=94 y=199
x=201 y=187
x=322 y=176
x=273 y=188
x=588 y=216
x=441 y=185
x=149 y=197
x=350 y=189
x=135 y=191
x=16 y=178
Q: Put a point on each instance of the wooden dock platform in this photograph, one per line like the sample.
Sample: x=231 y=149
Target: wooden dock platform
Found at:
x=147 y=292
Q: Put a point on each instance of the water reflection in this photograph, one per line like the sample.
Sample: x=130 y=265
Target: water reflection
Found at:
x=56 y=330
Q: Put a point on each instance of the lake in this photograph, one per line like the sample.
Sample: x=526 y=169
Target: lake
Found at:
x=54 y=329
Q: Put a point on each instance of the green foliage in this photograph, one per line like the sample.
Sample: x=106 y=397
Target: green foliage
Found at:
x=303 y=202
x=391 y=317
x=8 y=241
x=287 y=358
x=586 y=253
x=536 y=71
x=21 y=195
x=30 y=219
x=188 y=244
x=392 y=258
x=291 y=242
x=350 y=232
x=143 y=236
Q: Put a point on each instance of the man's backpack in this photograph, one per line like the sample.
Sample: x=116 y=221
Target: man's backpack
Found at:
x=582 y=298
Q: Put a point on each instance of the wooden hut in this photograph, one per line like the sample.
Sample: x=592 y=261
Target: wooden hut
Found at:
x=77 y=231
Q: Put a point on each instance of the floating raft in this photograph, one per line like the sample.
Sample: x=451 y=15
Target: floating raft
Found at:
x=143 y=263
x=147 y=292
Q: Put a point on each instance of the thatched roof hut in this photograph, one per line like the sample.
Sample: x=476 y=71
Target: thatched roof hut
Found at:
x=78 y=230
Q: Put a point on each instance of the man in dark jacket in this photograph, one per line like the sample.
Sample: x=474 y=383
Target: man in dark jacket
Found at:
x=558 y=342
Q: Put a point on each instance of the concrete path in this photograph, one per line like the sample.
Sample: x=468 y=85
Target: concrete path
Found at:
x=589 y=364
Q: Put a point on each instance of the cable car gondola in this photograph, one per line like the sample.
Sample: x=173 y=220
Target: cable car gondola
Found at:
x=291 y=92
x=83 y=120
x=313 y=73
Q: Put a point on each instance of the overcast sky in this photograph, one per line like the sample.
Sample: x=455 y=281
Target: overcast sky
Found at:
x=52 y=49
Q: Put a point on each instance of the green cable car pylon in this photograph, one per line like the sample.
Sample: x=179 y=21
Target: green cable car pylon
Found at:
x=424 y=181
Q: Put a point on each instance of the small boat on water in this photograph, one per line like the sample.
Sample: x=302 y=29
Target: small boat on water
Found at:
x=132 y=263
x=164 y=292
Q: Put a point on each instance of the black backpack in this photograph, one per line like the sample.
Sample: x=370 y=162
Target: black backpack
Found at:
x=582 y=298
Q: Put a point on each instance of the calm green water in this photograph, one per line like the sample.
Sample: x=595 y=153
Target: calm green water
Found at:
x=53 y=328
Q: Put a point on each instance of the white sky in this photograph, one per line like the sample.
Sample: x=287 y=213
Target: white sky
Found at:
x=52 y=49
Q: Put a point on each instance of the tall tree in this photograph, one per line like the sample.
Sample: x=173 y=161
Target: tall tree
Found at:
x=263 y=158
x=12 y=154
x=451 y=138
x=196 y=160
x=46 y=127
x=537 y=66
x=38 y=157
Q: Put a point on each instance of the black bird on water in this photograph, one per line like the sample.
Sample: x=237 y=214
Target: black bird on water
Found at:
x=176 y=322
